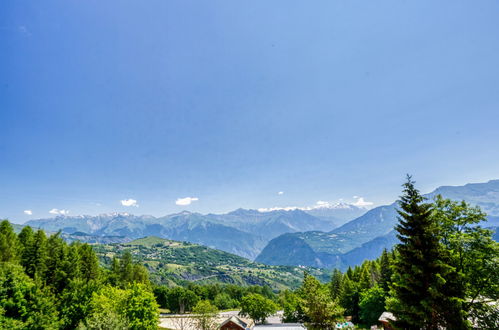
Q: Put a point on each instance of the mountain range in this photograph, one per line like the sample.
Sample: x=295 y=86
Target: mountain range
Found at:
x=366 y=236
x=242 y=232
x=290 y=236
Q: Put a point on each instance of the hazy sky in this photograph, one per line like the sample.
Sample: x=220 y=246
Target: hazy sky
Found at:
x=231 y=102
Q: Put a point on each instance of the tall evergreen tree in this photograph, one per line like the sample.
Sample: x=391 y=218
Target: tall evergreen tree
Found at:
x=335 y=284
x=56 y=275
x=25 y=239
x=419 y=297
x=89 y=263
x=36 y=255
x=8 y=243
x=349 y=297
x=385 y=271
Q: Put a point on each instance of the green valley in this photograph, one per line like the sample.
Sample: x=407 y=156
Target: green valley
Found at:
x=172 y=262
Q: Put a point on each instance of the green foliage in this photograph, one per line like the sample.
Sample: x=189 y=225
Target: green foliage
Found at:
x=48 y=284
x=205 y=315
x=349 y=297
x=336 y=282
x=385 y=271
x=180 y=263
x=371 y=305
x=319 y=307
x=474 y=258
x=141 y=309
x=419 y=294
x=292 y=304
x=105 y=320
x=23 y=303
x=133 y=308
x=8 y=243
x=257 y=307
x=224 y=301
x=75 y=301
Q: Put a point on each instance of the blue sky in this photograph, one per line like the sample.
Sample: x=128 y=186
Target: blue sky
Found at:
x=231 y=102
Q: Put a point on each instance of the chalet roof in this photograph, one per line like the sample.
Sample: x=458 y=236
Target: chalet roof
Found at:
x=245 y=324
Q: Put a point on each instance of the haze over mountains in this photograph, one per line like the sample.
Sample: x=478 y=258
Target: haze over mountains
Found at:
x=288 y=236
x=242 y=232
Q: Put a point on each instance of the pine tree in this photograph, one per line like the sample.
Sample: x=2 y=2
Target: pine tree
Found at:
x=365 y=282
x=349 y=297
x=89 y=264
x=385 y=271
x=25 y=239
x=126 y=268
x=56 y=275
x=8 y=243
x=418 y=282
x=335 y=284
x=36 y=255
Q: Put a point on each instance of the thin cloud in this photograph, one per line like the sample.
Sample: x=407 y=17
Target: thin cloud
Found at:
x=280 y=193
x=186 y=201
x=58 y=212
x=362 y=203
x=129 y=202
x=28 y=212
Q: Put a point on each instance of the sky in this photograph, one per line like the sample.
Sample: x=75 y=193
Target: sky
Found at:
x=153 y=107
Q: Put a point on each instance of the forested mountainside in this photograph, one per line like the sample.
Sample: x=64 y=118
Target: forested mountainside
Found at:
x=365 y=237
x=242 y=232
x=178 y=263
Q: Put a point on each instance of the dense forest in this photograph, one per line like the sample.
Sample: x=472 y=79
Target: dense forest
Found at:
x=443 y=274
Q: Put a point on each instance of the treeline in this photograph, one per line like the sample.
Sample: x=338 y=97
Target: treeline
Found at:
x=46 y=283
x=444 y=274
x=222 y=296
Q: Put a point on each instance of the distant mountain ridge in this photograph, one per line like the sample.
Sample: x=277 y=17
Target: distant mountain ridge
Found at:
x=366 y=236
x=242 y=232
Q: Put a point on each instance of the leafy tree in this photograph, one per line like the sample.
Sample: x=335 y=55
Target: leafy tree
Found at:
x=292 y=304
x=224 y=301
x=321 y=310
x=372 y=305
x=104 y=320
x=75 y=301
x=135 y=307
x=257 y=307
x=23 y=303
x=141 y=309
x=474 y=256
x=205 y=315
